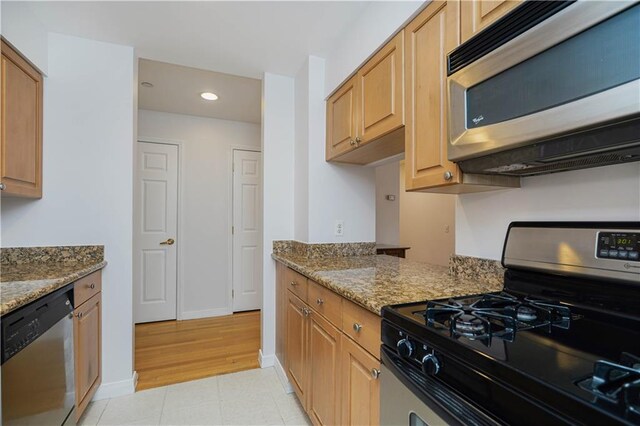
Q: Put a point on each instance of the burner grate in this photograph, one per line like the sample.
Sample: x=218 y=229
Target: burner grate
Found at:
x=496 y=315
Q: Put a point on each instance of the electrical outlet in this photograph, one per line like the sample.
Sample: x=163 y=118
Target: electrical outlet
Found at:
x=339 y=228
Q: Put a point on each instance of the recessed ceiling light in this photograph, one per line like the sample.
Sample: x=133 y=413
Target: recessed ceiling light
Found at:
x=146 y=84
x=208 y=96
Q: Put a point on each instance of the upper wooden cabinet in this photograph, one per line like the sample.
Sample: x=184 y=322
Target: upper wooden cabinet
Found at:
x=381 y=92
x=365 y=115
x=429 y=37
x=476 y=15
x=341 y=120
x=21 y=134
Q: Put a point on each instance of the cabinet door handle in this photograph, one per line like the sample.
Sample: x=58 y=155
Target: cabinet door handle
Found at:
x=319 y=301
x=305 y=311
x=79 y=315
x=352 y=142
x=357 y=327
x=293 y=283
x=358 y=140
x=3 y=186
x=92 y=286
x=448 y=175
x=375 y=373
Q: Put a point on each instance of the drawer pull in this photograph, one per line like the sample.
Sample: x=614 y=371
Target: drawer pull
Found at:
x=375 y=373
x=357 y=327
x=79 y=315
x=293 y=283
x=319 y=301
x=92 y=286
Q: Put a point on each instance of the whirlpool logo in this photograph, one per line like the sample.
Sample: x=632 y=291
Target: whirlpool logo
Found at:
x=477 y=120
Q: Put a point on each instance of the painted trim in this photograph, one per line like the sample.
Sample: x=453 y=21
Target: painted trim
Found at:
x=230 y=215
x=282 y=375
x=114 y=389
x=181 y=224
x=205 y=313
x=266 y=360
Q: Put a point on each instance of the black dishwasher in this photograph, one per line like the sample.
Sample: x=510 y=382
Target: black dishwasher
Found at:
x=38 y=385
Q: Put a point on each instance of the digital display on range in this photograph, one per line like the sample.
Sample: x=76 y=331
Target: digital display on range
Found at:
x=619 y=245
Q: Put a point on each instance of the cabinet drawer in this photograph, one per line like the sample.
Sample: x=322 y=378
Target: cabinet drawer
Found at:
x=86 y=287
x=362 y=326
x=296 y=283
x=325 y=302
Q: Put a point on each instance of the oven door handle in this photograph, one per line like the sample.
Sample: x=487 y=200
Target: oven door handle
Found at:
x=445 y=402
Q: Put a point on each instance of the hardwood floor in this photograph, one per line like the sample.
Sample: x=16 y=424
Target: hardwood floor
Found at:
x=170 y=352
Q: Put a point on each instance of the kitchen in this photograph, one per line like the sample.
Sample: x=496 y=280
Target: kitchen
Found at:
x=300 y=203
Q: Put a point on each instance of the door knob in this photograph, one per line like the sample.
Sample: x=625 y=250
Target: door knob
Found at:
x=169 y=242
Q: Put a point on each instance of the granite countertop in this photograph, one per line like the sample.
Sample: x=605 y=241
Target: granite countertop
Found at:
x=376 y=281
x=23 y=281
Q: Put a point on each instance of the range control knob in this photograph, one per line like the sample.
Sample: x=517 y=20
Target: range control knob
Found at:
x=430 y=364
x=405 y=348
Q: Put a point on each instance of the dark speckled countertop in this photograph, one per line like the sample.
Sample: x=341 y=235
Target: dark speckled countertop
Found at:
x=376 y=281
x=26 y=274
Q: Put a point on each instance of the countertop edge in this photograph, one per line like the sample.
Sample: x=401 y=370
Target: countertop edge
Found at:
x=323 y=282
x=56 y=283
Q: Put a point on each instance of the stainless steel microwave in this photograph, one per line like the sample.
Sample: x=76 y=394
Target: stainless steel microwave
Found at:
x=553 y=85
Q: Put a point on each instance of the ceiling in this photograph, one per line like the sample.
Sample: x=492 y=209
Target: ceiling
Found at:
x=177 y=89
x=244 y=38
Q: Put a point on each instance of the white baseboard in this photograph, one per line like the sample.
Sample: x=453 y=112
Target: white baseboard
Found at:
x=205 y=313
x=265 y=360
x=114 y=389
x=282 y=375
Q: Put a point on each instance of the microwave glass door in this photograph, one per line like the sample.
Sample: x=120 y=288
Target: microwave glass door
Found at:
x=600 y=58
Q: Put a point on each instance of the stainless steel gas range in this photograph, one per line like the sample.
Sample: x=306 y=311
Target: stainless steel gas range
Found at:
x=559 y=345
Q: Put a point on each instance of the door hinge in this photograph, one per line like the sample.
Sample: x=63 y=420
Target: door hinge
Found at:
x=233 y=230
x=233 y=166
x=233 y=293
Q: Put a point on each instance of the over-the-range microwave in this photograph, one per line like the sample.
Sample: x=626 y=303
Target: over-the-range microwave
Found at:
x=551 y=86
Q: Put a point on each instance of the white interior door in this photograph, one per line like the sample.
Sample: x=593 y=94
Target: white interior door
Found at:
x=154 y=236
x=247 y=231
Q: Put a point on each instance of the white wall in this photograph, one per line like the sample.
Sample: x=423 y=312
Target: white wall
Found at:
x=376 y=23
x=301 y=156
x=278 y=136
x=25 y=32
x=207 y=145
x=601 y=194
x=87 y=181
x=427 y=224
x=388 y=212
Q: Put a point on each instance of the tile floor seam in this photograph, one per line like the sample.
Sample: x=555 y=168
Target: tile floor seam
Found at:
x=103 y=410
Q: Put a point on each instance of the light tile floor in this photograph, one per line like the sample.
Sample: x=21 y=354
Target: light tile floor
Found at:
x=252 y=397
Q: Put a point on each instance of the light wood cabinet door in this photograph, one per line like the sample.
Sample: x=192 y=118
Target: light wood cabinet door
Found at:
x=21 y=121
x=281 y=313
x=296 y=352
x=360 y=393
x=324 y=371
x=381 y=92
x=476 y=15
x=341 y=120
x=87 y=346
x=428 y=39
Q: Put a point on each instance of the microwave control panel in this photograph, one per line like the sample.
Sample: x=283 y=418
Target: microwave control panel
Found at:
x=618 y=245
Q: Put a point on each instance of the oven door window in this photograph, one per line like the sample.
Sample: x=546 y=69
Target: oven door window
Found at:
x=599 y=58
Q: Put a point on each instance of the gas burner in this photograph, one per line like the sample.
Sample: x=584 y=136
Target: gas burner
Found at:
x=525 y=313
x=469 y=325
x=495 y=315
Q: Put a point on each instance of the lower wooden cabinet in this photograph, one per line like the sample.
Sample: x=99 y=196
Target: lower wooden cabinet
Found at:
x=360 y=385
x=87 y=335
x=296 y=347
x=333 y=376
x=325 y=341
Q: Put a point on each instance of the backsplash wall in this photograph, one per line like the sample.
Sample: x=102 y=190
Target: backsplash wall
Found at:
x=601 y=194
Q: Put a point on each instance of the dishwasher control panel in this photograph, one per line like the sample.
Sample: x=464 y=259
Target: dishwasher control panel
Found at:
x=24 y=325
